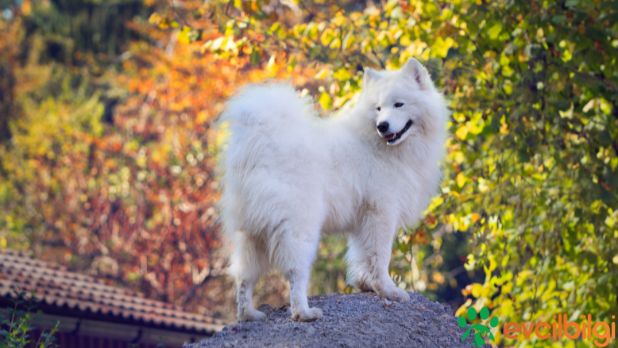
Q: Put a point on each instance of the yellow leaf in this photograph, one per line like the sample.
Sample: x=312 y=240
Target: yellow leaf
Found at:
x=441 y=46
x=323 y=73
x=325 y=100
x=436 y=202
x=504 y=128
x=459 y=117
x=461 y=179
x=184 y=35
x=477 y=290
x=461 y=132
x=342 y=74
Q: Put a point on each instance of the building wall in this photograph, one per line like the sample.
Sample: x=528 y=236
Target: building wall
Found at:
x=70 y=340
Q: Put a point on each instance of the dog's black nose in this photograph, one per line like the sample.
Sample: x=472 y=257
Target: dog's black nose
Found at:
x=382 y=127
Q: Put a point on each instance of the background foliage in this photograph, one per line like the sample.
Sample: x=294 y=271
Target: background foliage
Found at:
x=107 y=154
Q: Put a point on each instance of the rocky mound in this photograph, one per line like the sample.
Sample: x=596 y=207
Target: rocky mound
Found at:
x=356 y=320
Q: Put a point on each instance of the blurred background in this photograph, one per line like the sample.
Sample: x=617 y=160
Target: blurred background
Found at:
x=108 y=150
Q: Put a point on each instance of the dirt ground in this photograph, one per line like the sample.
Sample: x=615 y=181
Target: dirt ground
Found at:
x=356 y=320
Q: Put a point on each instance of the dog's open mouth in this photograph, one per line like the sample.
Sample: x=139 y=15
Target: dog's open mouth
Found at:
x=393 y=137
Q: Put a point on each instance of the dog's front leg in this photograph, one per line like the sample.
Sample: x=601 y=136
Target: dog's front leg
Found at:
x=369 y=254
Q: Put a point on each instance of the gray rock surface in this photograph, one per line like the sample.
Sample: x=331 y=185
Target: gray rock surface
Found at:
x=356 y=320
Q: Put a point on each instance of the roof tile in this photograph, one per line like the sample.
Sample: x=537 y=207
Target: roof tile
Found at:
x=53 y=285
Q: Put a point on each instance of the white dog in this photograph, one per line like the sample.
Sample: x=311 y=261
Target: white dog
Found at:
x=289 y=175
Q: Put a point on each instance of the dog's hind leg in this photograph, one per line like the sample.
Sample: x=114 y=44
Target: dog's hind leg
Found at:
x=248 y=262
x=358 y=268
x=293 y=253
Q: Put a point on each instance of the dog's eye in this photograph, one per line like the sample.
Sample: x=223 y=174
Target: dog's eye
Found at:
x=378 y=108
x=398 y=105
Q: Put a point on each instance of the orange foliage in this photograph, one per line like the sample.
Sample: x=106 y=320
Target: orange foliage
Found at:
x=158 y=224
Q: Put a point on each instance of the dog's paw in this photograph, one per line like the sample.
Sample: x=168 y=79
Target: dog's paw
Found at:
x=395 y=294
x=310 y=314
x=251 y=315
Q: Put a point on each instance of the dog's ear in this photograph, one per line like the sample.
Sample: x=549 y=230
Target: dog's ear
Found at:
x=418 y=72
x=369 y=75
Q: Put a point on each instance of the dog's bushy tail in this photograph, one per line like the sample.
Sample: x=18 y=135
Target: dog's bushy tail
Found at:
x=257 y=120
x=266 y=105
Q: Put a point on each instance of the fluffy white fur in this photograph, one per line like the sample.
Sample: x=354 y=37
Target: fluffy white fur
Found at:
x=289 y=176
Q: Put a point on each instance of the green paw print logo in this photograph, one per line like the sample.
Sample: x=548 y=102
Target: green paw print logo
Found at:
x=480 y=330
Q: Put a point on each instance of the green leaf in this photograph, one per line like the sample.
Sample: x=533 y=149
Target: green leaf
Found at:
x=494 y=31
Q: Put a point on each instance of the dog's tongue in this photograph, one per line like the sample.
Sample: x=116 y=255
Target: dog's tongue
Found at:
x=390 y=136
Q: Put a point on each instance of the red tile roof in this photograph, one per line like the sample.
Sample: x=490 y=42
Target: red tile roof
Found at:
x=70 y=293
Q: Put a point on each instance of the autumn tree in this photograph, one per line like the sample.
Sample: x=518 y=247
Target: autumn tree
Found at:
x=526 y=221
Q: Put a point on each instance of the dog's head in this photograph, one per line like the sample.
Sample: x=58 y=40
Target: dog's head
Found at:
x=402 y=103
